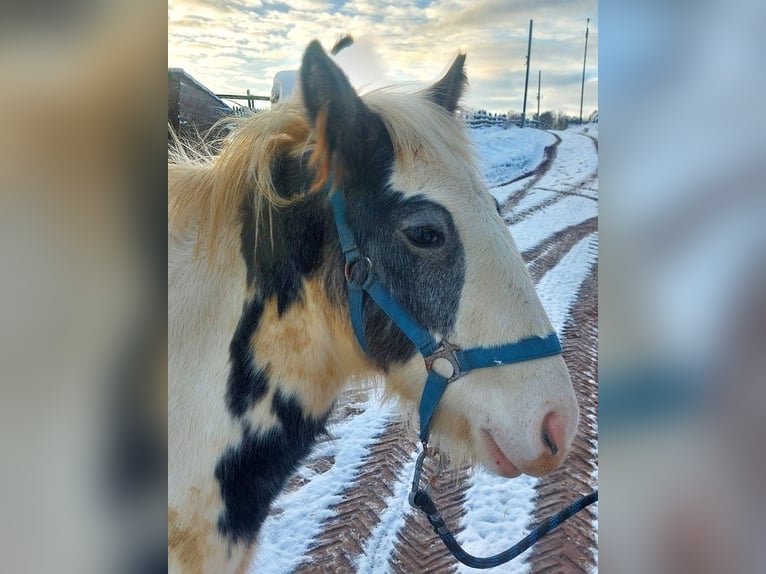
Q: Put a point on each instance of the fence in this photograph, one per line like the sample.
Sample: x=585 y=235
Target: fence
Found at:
x=483 y=120
x=248 y=97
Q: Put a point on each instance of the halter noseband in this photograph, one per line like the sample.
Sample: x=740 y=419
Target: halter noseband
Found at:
x=361 y=280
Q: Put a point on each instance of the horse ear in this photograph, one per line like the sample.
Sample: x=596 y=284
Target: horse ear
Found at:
x=338 y=116
x=448 y=91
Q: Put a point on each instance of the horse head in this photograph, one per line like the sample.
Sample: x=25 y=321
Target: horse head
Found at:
x=431 y=231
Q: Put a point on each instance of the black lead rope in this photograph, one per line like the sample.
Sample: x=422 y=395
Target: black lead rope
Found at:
x=421 y=500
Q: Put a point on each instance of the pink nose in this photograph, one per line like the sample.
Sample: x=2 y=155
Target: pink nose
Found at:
x=554 y=430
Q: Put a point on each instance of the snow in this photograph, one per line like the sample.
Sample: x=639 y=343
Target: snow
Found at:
x=558 y=287
x=497 y=511
x=539 y=226
x=576 y=163
x=506 y=154
x=380 y=546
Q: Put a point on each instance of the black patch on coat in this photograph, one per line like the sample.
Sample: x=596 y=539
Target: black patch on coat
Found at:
x=305 y=243
x=254 y=472
x=426 y=283
x=247 y=383
x=290 y=239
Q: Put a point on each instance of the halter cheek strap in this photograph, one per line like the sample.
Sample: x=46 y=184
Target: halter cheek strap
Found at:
x=362 y=280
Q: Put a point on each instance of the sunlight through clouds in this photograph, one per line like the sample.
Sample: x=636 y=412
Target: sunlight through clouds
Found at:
x=235 y=45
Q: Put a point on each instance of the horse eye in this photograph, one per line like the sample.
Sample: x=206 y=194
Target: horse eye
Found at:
x=423 y=236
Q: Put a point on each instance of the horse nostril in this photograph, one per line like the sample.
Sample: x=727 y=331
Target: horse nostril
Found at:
x=553 y=432
x=549 y=443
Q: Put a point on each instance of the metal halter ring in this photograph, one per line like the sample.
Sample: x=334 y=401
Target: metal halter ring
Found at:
x=446 y=351
x=348 y=269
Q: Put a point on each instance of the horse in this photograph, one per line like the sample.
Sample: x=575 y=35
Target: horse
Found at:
x=261 y=340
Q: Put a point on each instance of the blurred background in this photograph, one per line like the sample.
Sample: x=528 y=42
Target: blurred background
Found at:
x=682 y=286
x=682 y=300
x=82 y=295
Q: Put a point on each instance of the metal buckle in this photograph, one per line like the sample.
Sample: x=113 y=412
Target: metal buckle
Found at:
x=446 y=351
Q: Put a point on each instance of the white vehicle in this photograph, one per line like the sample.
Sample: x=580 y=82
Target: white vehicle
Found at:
x=286 y=81
x=284 y=85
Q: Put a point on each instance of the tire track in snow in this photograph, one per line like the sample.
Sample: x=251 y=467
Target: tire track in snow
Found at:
x=536 y=174
x=535 y=230
x=546 y=255
x=419 y=548
x=379 y=547
x=583 y=187
x=592 y=139
x=514 y=218
x=570 y=548
x=550 y=186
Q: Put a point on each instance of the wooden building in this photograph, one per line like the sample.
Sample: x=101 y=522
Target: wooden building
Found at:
x=192 y=108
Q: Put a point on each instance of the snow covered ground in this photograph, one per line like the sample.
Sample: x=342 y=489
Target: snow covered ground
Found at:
x=496 y=512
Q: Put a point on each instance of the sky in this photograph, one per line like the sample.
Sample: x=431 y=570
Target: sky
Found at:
x=234 y=45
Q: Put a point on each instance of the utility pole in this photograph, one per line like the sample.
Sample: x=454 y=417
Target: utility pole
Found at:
x=539 y=74
x=585 y=57
x=526 y=81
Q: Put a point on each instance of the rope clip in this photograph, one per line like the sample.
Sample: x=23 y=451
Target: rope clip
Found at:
x=416 y=478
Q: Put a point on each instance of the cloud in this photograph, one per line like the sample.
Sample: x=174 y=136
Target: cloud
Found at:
x=414 y=42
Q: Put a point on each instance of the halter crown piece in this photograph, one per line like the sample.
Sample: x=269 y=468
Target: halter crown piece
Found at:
x=361 y=280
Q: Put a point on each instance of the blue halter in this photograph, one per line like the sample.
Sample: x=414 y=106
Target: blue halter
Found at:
x=364 y=281
x=361 y=280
